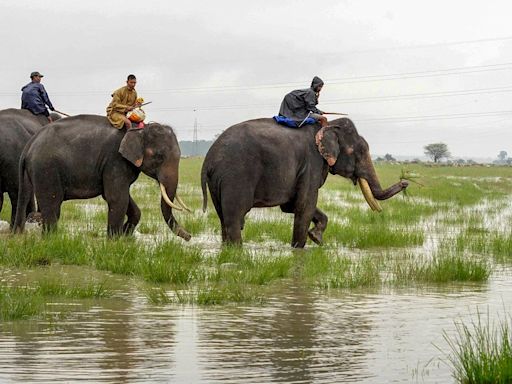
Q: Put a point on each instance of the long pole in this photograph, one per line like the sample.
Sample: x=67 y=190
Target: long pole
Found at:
x=61 y=113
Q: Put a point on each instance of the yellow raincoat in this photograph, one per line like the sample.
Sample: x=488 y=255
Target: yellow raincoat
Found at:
x=118 y=107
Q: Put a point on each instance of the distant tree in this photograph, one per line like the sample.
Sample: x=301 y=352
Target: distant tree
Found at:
x=502 y=156
x=437 y=151
x=388 y=157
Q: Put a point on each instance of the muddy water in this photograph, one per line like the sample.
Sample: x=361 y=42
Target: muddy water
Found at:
x=299 y=336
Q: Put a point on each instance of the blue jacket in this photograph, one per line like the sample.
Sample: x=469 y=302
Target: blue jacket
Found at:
x=34 y=98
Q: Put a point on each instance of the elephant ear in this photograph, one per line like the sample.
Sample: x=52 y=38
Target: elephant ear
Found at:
x=328 y=145
x=132 y=146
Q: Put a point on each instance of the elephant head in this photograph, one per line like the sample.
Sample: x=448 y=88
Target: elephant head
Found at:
x=348 y=155
x=155 y=151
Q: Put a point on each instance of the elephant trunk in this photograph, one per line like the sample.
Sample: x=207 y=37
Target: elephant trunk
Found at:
x=370 y=186
x=168 y=186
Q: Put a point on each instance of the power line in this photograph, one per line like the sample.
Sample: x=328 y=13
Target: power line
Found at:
x=439 y=117
x=355 y=100
x=427 y=45
x=338 y=81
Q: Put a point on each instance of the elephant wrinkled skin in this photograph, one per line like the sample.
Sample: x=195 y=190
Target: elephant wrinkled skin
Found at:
x=80 y=157
x=259 y=163
x=17 y=126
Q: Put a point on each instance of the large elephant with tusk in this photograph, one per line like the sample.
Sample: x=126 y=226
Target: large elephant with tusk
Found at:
x=259 y=163
x=82 y=157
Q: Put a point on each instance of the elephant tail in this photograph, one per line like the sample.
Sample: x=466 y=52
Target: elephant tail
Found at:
x=204 y=187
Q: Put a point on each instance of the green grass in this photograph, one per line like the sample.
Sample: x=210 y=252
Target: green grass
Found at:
x=180 y=272
x=495 y=244
x=444 y=267
x=17 y=303
x=481 y=351
x=55 y=287
x=27 y=301
x=372 y=235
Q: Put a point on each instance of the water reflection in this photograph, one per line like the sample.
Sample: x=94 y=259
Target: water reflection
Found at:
x=298 y=337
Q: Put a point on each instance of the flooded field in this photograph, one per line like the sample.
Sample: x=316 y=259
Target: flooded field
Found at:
x=379 y=302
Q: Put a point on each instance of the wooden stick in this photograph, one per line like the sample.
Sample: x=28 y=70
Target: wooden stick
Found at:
x=61 y=113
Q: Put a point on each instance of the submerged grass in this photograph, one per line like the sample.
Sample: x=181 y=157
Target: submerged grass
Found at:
x=482 y=351
x=371 y=236
x=18 y=303
x=327 y=271
x=442 y=268
x=184 y=273
x=498 y=245
x=26 y=301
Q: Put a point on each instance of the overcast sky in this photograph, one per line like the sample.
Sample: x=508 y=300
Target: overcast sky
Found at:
x=409 y=73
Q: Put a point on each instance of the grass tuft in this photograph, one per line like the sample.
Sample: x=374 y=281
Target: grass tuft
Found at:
x=482 y=351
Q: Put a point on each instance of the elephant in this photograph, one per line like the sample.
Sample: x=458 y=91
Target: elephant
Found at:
x=83 y=156
x=17 y=126
x=258 y=163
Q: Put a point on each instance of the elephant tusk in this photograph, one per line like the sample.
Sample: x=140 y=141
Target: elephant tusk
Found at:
x=181 y=203
x=368 y=195
x=167 y=200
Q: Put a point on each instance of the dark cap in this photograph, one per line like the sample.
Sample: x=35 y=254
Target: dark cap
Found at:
x=33 y=74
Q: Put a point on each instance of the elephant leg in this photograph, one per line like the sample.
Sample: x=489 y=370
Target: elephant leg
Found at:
x=300 y=229
x=26 y=193
x=320 y=221
x=133 y=214
x=233 y=219
x=224 y=234
x=117 y=197
x=116 y=211
x=13 y=196
x=301 y=223
x=218 y=208
x=50 y=210
x=232 y=228
x=49 y=194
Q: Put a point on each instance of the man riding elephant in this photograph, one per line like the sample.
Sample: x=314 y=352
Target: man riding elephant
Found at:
x=257 y=163
x=54 y=168
x=34 y=97
x=123 y=101
x=299 y=105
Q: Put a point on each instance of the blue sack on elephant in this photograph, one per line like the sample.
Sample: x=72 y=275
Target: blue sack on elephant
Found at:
x=283 y=120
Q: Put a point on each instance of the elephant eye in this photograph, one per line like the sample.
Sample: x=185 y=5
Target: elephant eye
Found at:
x=158 y=156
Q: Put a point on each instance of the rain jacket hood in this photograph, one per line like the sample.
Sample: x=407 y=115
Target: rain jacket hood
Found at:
x=316 y=82
x=299 y=104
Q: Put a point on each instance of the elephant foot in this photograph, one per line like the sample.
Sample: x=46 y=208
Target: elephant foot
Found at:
x=128 y=229
x=315 y=235
x=182 y=233
x=35 y=217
